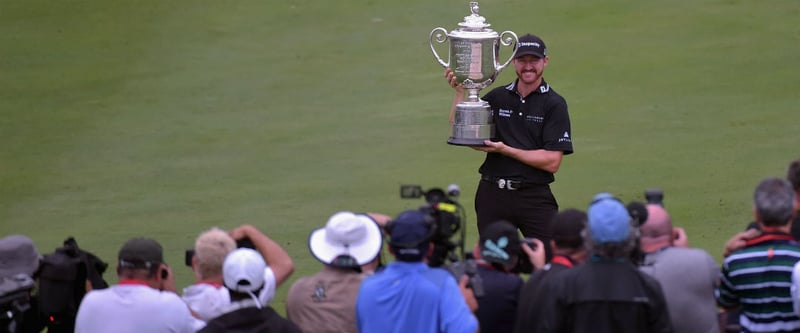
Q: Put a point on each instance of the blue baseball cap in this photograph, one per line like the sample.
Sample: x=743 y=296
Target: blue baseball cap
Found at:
x=410 y=234
x=609 y=220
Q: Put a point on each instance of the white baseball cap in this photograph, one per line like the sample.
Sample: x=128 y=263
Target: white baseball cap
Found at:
x=243 y=270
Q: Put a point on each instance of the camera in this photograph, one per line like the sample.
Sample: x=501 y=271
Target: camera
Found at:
x=470 y=268
x=244 y=242
x=530 y=243
x=15 y=299
x=524 y=262
x=447 y=214
x=654 y=196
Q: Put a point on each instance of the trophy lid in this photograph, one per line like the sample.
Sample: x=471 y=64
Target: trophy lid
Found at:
x=474 y=22
x=474 y=26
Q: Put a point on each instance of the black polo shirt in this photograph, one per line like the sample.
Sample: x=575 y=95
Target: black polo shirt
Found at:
x=537 y=121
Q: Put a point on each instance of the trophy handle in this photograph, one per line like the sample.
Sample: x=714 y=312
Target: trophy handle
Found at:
x=440 y=38
x=506 y=42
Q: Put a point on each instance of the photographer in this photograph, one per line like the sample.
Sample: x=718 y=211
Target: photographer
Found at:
x=207 y=297
x=568 y=251
x=349 y=247
x=498 y=253
x=143 y=300
x=606 y=293
x=447 y=215
x=688 y=276
x=19 y=262
x=410 y=296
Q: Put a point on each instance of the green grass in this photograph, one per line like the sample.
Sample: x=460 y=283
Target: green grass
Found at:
x=164 y=118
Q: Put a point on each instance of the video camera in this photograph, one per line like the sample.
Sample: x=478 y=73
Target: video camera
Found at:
x=15 y=299
x=448 y=215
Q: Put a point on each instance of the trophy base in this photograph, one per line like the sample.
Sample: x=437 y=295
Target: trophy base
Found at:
x=466 y=142
x=473 y=124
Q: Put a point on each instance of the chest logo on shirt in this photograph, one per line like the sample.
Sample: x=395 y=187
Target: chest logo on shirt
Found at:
x=320 y=293
x=565 y=138
x=534 y=118
x=544 y=88
x=505 y=113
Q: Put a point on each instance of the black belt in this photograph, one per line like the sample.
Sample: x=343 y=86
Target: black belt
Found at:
x=505 y=183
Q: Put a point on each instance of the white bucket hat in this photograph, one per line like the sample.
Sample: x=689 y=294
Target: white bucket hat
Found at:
x=347 y=234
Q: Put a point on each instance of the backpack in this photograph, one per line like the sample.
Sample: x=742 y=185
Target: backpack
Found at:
x=63 y=277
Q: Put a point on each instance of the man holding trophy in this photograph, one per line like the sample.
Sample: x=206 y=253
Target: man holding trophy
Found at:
x=530 y=135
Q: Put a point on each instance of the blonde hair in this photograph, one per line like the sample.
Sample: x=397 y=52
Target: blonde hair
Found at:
x=210 y=250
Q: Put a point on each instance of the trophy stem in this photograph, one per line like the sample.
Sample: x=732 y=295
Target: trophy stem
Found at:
x=472 y=94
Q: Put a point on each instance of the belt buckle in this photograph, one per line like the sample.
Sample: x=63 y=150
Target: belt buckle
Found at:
x=507 y=184
x=510 y=185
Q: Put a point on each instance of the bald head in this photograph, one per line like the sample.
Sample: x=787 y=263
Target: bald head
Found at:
x=656 y=232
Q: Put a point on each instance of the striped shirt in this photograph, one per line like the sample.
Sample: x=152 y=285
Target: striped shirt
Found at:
x=759 y=278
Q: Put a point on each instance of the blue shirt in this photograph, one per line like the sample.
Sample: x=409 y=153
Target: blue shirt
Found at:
x=412 y=297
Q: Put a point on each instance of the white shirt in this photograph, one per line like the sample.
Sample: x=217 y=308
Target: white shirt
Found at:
x=208 y=301
x=133 y=307
x=796 y=288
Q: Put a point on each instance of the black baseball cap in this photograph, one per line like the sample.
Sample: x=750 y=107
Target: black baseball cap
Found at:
x=531 y=45
x=500 y=244
x=567 y=227
x=410 y=235
x=141 y=253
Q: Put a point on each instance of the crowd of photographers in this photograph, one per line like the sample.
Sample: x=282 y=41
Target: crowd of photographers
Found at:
x=614 y=268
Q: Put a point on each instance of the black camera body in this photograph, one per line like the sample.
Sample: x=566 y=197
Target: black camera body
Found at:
x=447 y=214
x=15 y=299
x=244 y=242
x=654 y=196
x=469 y=268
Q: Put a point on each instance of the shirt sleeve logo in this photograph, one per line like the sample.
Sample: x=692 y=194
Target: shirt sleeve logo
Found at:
x=565 y=138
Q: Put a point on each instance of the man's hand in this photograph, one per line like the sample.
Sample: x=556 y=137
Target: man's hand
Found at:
x=679 y=238
x=469 y=296
x=451 y=80
x=491 y=147
x=241 y=232
x=536 y=255
x=739 y=240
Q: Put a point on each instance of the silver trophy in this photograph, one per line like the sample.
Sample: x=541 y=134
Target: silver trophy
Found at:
x=473 y=55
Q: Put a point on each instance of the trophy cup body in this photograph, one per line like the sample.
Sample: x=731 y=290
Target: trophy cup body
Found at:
x=473 y=53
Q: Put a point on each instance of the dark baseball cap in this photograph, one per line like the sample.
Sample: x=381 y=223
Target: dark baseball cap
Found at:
x=531 y=45
x=500 y=244
x=141 y=253
x=567 y=227
x=410 y=234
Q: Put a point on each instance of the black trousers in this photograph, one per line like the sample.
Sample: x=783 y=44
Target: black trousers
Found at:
x=531 y=209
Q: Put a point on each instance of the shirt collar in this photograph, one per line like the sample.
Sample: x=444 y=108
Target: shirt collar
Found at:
x=770 y=236
x=543 y=88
